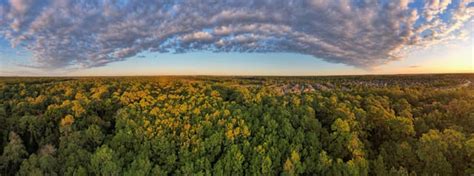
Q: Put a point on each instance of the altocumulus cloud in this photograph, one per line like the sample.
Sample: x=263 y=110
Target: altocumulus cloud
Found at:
x=362 y=33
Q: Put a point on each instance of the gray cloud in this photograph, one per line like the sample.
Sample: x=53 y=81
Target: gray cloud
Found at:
x=362 y=33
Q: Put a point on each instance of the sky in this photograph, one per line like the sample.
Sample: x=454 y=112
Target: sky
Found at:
x=234 y=37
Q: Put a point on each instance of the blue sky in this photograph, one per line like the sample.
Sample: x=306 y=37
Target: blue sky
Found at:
x=312 y=37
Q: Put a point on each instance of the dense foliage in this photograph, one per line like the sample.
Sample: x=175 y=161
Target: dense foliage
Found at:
x=367 y=125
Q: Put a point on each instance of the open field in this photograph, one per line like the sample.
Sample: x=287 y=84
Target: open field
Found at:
x=209 y=125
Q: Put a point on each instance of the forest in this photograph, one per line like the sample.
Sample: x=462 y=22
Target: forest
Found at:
x=211 y=125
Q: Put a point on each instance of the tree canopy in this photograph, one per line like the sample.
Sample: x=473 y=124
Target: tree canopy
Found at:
x=367 y=125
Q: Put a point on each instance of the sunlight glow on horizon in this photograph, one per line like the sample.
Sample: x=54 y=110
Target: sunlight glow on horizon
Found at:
x=440 y=59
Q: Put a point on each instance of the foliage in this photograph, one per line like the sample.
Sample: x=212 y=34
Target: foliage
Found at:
x=366 y=125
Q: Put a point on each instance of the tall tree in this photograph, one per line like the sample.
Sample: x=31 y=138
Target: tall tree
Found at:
x=13 y=154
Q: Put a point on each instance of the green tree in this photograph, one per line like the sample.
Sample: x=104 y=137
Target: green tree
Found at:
x=431 y=152
x=104 y=162
x=43 y=163
x=13 y=154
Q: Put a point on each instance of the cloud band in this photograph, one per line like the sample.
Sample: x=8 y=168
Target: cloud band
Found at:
x=362 y=33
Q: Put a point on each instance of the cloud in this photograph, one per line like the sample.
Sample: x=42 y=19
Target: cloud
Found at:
x=196 y=37
x=362 y=33
x=434 y=7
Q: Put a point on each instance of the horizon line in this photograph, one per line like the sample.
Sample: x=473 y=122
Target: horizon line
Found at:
x=238 y=75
